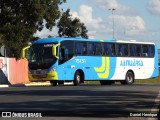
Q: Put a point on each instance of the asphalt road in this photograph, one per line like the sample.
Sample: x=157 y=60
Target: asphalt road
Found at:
x=87 y=101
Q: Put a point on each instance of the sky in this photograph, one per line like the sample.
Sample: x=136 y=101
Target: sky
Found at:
x=133 y=19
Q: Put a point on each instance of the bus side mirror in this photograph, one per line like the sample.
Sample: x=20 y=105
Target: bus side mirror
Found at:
x=24 y=53
x=54 y=50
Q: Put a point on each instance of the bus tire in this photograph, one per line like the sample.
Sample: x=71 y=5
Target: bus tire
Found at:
x=106 y=82
x=60 y=82
x=54 y=82
x=129 y=79
x=77 y=78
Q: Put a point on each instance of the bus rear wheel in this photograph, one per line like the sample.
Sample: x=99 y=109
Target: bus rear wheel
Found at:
x=77 y=78
x=129 y=78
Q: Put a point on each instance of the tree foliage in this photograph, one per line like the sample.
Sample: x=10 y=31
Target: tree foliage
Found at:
x=71 y=27
x=20 y=19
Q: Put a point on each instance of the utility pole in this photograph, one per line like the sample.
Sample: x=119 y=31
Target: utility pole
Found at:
x=113 y=20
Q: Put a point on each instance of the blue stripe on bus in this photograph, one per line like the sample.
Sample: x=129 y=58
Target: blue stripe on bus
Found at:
x=155 y=70
x=112 y=67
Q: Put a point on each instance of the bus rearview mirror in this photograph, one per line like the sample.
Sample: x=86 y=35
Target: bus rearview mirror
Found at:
x=54 y=50
x=24 y=53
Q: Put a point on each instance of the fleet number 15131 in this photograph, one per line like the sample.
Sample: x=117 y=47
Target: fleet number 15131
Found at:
x=80 y=60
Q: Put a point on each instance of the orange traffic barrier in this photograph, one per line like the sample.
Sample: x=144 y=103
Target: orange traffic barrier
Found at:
x=18 y=71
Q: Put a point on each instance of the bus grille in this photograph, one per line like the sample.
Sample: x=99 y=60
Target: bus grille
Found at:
x=39 y=76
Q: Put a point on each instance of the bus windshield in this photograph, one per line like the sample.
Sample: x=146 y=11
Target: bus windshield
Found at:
x=40 y=56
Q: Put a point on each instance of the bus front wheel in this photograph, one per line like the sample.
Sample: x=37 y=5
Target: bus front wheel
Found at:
x=60 y=82
x=129 y=78
x=54 y=82
x=77 y=78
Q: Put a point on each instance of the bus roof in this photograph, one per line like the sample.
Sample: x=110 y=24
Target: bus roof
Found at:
x=58 y=39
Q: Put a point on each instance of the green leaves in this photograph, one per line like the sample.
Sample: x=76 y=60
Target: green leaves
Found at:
x=20 y=19
x=71 y=27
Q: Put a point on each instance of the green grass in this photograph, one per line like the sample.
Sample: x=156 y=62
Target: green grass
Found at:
x=153 y=80
x=92 y=82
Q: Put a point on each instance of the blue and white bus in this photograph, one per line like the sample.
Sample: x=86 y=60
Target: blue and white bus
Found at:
x=78 y=60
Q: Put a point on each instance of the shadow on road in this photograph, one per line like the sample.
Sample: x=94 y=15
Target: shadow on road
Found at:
x=77 y=102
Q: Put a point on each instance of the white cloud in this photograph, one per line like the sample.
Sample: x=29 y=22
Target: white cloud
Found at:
x=131 y=23
x=109 y=4
x=154 y=6
x=103 y=28
x=85 y=14
x=128 y=27
x=125 y=26
x=46 y=32
x=106 y=4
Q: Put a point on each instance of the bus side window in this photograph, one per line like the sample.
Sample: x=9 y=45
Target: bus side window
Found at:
x=78 y=48
x=109 y=50
x=151 y=51
x=98 y=49
x=145 y=50
x=132 y=50
x=91 y=49
x=125 y=50
x=66 y=53
x=138 y=50
x=81 y=48
x=119 y=49
x=135 y=50
x=113 y=49
x=105 y=51
x=63 y=53
x=84 y=49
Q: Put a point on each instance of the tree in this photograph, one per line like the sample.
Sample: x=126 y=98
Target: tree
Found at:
x=20 y=19
x=1 y=40
x=71 y=27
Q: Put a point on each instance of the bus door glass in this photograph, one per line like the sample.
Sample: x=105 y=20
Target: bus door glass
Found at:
x=66 y=51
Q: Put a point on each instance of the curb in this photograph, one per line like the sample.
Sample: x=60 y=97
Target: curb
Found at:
x=4 y=86
x=33 y=84
x=38 y=84
x=45 y=83
x=27 y=85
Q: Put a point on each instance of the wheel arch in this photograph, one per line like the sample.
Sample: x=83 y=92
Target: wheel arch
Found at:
x=132 y=73
x=81 y=75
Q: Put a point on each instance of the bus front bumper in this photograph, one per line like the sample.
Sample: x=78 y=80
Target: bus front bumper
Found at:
x=43 y=77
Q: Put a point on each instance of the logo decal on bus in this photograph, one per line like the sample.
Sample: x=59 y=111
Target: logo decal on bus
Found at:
x=103 y=70
x=131 y=63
